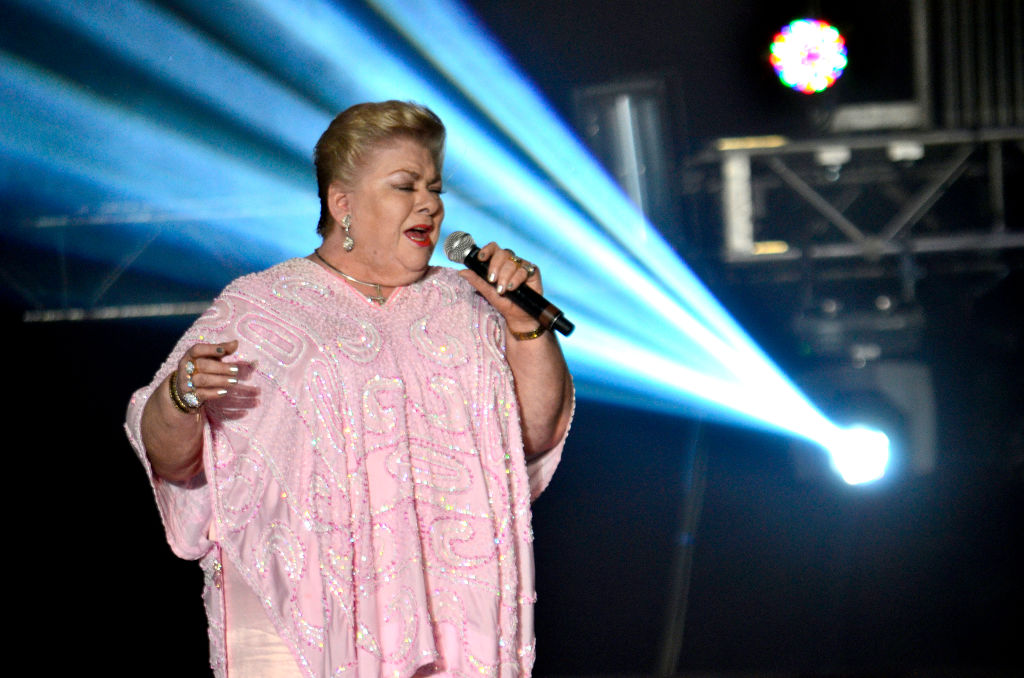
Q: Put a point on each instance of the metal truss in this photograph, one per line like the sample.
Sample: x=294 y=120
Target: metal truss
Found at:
x=867 y=196
x=856 y=222
x=57 y=287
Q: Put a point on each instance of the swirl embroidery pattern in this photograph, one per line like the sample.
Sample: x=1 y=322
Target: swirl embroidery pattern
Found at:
x=376 y=500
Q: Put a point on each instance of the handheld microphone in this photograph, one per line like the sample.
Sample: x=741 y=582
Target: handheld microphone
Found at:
x=460 y=248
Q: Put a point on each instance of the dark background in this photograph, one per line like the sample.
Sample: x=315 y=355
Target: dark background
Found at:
x=792 y=575
x=793 y=572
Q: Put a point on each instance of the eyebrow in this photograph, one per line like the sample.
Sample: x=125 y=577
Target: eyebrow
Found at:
x=417 y=175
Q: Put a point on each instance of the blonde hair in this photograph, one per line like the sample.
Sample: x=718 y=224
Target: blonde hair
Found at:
x=360 y=129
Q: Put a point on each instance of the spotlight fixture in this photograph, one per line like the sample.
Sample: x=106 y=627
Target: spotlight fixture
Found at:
x=859 y=454
x=808 y=55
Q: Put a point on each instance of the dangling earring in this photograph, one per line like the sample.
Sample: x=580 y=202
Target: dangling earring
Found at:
x=346 y=222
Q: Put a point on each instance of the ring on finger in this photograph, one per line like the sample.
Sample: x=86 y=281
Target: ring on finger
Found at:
x=191 y=399
x=514 y=259
x=529 y=268
x=190 y=368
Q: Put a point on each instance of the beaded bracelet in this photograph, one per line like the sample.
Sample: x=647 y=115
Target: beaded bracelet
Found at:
x=176 y=397
x=526 y=336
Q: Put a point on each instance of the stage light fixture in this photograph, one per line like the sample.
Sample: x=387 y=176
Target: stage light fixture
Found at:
x=859 y=454
x=649 y=333
x=808 y=55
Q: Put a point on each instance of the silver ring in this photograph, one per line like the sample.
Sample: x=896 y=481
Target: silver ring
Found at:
x=529 y=268
x=190 y=368
x=191 y=399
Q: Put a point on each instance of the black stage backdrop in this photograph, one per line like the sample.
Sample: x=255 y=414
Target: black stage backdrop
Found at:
x=790 y=574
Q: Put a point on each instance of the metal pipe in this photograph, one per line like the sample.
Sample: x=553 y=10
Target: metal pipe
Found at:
x=996 y=191
x=116 y=312
x=944 y=244
x=1001 y=67
x=968 y=107
x=922 y=64
x=1017 y=43
x=985 y=113
x=951 y=99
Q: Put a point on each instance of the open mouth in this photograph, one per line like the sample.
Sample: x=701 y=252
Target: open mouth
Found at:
x=420 y=235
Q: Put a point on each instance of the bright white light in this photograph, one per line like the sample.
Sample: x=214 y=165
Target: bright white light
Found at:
x=860 y=455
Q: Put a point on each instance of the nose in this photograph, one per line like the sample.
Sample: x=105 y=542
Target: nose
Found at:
x=430 y=202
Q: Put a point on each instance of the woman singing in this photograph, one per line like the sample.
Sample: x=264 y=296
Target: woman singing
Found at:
x=349 y=442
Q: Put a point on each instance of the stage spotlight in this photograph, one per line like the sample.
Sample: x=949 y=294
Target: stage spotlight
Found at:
x=859 y=454
x=893 y=396
x=808 y=55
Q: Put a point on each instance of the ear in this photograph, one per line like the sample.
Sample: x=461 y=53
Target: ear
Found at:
x=337 y=201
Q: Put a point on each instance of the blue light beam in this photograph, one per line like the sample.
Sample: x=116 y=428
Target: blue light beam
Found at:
x=648 y=331
x=447 y=35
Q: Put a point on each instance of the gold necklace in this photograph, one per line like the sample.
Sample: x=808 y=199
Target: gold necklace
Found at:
x=379 y=298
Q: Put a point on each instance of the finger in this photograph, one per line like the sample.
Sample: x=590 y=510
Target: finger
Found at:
x=505 y=272
x=531 y=277
x=227 y=348
x=207 y=358
x=487 y=251
x=237 y=402
x=203 y=381
x=509 y=275
x=205 y=395
x=502 y=267
x=486 y=290
x=216 y=351
x=518 y=278
x=212 y=366
x=183 y=382
x=493 y=254
x=512 y=312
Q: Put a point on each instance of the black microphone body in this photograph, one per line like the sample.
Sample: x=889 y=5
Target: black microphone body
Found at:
x=547 y=314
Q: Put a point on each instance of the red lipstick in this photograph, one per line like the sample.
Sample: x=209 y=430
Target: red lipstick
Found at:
x=420 y=235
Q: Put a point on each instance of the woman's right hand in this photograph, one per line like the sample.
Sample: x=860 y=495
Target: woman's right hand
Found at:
x=203 y=375
x=172 y=431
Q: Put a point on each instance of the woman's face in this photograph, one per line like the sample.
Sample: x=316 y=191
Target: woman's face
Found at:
x=396 y=212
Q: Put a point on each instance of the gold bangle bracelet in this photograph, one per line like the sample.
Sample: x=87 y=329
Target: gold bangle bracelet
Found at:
x=175 y=396
x=526 y=336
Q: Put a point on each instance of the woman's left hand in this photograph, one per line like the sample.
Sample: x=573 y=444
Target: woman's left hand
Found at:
x=542 y=382
x=505 y=272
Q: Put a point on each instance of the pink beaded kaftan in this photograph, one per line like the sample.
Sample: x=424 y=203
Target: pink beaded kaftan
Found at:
x=374 y=495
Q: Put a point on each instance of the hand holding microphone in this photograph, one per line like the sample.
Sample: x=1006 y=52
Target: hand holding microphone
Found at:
x=460 y=248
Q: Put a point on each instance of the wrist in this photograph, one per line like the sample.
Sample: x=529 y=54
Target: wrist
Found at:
x=527 y=334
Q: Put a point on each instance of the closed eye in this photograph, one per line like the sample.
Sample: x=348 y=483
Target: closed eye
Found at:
x=410 y=188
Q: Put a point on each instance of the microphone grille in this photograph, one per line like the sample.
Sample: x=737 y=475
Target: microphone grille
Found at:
x=457 y=246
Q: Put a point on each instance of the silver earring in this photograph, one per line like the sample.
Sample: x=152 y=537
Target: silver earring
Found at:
x=346 y=222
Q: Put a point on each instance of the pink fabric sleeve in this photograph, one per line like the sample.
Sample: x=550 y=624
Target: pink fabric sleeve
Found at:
x=541 y=467
x=186 y=509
